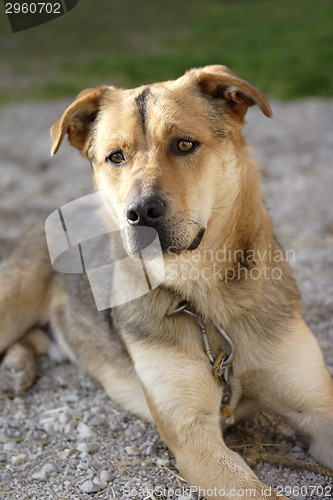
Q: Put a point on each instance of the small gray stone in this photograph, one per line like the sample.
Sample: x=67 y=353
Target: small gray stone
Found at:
x=65 y=417
x=68 y=452
x=48 y=426
x=44 y=473
x=6 y=475
x=83 y=466
x=39 y=476
x=89 y=487
x=106 y=475
x=98 y=420
x=84 y=431
x=10 y=446
x=69 y=428
x=95 y=464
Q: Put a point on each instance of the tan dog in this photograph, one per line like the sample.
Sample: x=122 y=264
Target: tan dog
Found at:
x=173 y=157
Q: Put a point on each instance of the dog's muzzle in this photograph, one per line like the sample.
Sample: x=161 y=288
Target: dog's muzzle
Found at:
x=147 y=216
x=145 y=211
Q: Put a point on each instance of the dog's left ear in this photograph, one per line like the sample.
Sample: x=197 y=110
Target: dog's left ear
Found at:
x=77 y=119
x=221 y=83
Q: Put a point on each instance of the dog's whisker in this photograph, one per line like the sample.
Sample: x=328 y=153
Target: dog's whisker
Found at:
x=228 y=206
x=220 y=215
x=192 y=221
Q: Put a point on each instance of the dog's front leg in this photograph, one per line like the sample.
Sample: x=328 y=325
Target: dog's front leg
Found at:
x=184 y=401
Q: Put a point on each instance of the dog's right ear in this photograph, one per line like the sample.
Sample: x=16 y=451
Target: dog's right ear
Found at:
x=77 y=119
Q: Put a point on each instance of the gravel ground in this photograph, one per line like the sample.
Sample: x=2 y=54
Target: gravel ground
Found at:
x=64 y=439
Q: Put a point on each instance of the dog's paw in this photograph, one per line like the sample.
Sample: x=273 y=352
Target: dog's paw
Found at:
x=17 y=371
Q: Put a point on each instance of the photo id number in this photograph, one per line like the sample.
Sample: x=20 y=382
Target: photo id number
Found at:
x=33 y=8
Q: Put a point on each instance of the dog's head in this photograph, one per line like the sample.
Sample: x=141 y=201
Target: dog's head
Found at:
x=167 y=154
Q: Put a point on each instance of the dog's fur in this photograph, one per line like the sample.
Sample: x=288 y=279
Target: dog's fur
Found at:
x=200 y=201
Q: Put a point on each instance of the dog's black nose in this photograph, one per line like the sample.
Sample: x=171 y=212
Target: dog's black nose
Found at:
x=145 y=211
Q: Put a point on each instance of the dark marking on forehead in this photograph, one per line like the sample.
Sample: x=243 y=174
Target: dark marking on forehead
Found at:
x=141 y=104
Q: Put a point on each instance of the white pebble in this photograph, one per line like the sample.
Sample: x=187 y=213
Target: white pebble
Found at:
x=95 y=464
x=84 y=431
x=4 y=438
x=69 y=428
x=89 y=487
x=162 y=462
x=96 y=481
x=65 y=417
x=86 y=416
x=87 y=447
x=10 y=446
x=105 y=476
x=49 y=468
x=66 y=453
x=132 y=450
x=98 y=420
x=44 y=473
x=39 y=476
x=48 y=426
x=83 y=466
x=19 y=459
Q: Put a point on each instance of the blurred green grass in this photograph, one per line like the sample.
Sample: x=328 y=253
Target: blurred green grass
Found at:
x=285 y=47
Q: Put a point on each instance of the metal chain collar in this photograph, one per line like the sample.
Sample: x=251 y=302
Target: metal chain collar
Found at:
x=222 y=364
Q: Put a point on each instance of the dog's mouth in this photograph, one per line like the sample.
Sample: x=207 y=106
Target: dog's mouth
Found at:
x=177 y=249
x=197 y=240
x=153 y=241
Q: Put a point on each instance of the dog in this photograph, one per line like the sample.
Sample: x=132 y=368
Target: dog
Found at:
x=222 y=335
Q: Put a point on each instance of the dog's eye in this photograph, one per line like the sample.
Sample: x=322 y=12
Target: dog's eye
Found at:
x=181 y=147
x=116 y=157
x=185 y=146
